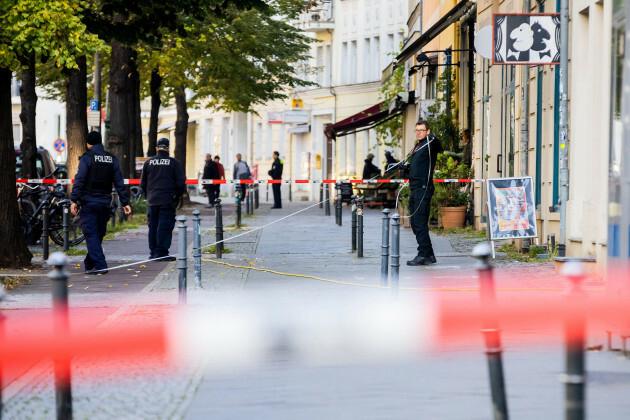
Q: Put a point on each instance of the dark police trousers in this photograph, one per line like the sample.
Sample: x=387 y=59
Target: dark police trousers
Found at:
x=420 y=219
x=93 y=219
x=161 y=224
x=277 y=200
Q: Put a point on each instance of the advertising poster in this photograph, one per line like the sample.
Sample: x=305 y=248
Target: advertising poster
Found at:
x=511 y=210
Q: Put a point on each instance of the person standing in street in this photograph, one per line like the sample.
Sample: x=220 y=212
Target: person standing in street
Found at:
x=163 y=182
x=421 y=166
x=210 y=171
x=276 y=173
x=91 y=198
x=241 y=171
x=370 y=170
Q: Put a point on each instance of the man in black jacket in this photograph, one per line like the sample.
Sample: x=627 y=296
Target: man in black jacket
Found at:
x=421 y=166
x=163 y=182
x=92 y=190
x=276 y=173
x=211 y=171
x=370 y=170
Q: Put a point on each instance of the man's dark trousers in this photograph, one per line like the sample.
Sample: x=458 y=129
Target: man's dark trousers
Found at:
x=277 y=200
x=161 y=224
x=420 y=208
x=93 y=219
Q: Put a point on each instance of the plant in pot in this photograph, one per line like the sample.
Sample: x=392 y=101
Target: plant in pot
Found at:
x=450 y=199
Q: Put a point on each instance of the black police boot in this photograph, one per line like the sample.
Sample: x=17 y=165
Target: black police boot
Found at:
x=419 y=260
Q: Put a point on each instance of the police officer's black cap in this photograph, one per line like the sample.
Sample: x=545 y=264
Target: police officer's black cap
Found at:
x=94 y=137
x=163 y=143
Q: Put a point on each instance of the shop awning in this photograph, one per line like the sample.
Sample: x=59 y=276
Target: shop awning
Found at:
x=445 y=21
x=364 y=120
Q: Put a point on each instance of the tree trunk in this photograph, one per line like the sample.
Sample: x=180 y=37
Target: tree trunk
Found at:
x=13 y=249
x=76 y=115
x=156 y=102
x=121 y=85
x=28 y=98
x=181 y=126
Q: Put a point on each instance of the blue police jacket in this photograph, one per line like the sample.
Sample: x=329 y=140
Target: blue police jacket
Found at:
x=163 y=180
x=98 y=170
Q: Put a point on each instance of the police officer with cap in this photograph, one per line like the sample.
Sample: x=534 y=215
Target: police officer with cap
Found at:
x=92 y=191
x=163 y=182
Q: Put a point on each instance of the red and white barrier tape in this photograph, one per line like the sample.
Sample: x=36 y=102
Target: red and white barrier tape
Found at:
x=258 y=181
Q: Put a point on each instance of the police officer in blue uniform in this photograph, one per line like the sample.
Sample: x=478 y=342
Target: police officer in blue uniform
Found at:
x=91 y=198
x=276 y=173
x=163 y=182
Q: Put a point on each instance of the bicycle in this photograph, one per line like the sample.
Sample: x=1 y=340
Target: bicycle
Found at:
x=31 y=202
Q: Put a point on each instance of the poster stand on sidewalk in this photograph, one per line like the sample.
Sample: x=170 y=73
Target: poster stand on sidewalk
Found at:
x=511 y=209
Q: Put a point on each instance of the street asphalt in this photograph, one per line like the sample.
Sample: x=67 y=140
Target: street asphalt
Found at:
x=442 y=382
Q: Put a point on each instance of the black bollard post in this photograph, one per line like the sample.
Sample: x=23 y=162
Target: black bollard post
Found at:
x=114 y=207
x=327 y=203
x=491 y=332
x=246 y=190
x=360 y=227
x=353 y=223
x=61 y=326
x=182 y=259
x=395 y=257
x=256 y=198
x=65 y=204
x=575 y=379
x=290 y=192
x=321 y=196
x=340 y=205
x=252 y=190
x=197 y=246
x=336 y=203
x=45 y=228
x=267 y=197
x=219 y=228
x=385 y=247
x=238 y=198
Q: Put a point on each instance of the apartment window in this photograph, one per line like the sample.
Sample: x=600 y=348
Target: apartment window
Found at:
x=367 y=55
x=327 y=65
x=390 y=44
x=208 y=135
x=258 y=140
x=367 y=17
x=351 y=155
x=320 y=62
x=17 y=134
x=269 y=141
x=431 y=79
x=376 y=12
x=376 y=61
x=352 y=77
x=344 y=63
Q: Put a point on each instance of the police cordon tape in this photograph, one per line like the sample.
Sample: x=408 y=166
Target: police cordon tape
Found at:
x=260 y=181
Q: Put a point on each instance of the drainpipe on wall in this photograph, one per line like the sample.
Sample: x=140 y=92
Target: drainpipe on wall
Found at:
x=564 y=126
x=525 y=120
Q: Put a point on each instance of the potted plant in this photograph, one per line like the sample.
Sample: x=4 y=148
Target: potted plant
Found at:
x=450 y=199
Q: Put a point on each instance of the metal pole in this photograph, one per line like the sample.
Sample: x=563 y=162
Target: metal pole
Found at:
x=66 y=224
x=340 y=203
x=219 y=228
x=395 y=258
x=197 y=246
x=97 y=86
x=385 y=247
x=119 y=209
x=256 y=197
x=246 y=187
x=491 y=333
x=238 y=197
x=45 y=228
x=182 y=264
x=327 y=203
x=61 y=325
x=525 y=120
x=252 y=190
x=337 y=204
x=564 y=126
x=267 y=197
x=321 y=196
x=360 y=227
x=354 y=223
x=114 y=200
x=574 y=379
x=290 y=192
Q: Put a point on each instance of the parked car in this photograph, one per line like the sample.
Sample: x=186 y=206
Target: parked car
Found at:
x=45 y=164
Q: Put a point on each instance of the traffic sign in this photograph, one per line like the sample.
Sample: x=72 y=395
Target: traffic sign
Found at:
x=59 y=145
x=93 y=105
x=297 y=103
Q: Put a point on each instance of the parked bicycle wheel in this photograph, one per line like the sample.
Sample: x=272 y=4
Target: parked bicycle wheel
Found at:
x=75 y=235
x=31 y=226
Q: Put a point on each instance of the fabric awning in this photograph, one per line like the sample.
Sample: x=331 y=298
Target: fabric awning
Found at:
x=364 y=120
x=445 y=21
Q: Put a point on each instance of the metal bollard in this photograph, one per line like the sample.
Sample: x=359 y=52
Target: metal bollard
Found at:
x=327 y=203
x=121 y=213
x=45 y=228
x=252 y=190
x=219 y=228
x=491 y=332
x=65 y=204
x=267 y=197
x=353 y=223
x=395 y=258
x=360 y=227
x=385 y=247
x=197 y=246
x=321 y=195
x=337 y=204
x=61 y=325
x=246 y=188
x=575 y=379
x=238 y=198
x=114 y=200
x=290 y=192
x=256 y=198
x=182 y=264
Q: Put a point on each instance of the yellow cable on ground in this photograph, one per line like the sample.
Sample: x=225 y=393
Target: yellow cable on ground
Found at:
x=426 y=289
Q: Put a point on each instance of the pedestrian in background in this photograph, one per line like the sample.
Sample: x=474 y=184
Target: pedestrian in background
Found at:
x=163 y=182
x=369 y=169
x=421 y=167
x=92 y=196
x=217 y=160
x=390 y=161
x=276 y=173
x=241 y=171
x=210 y=171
